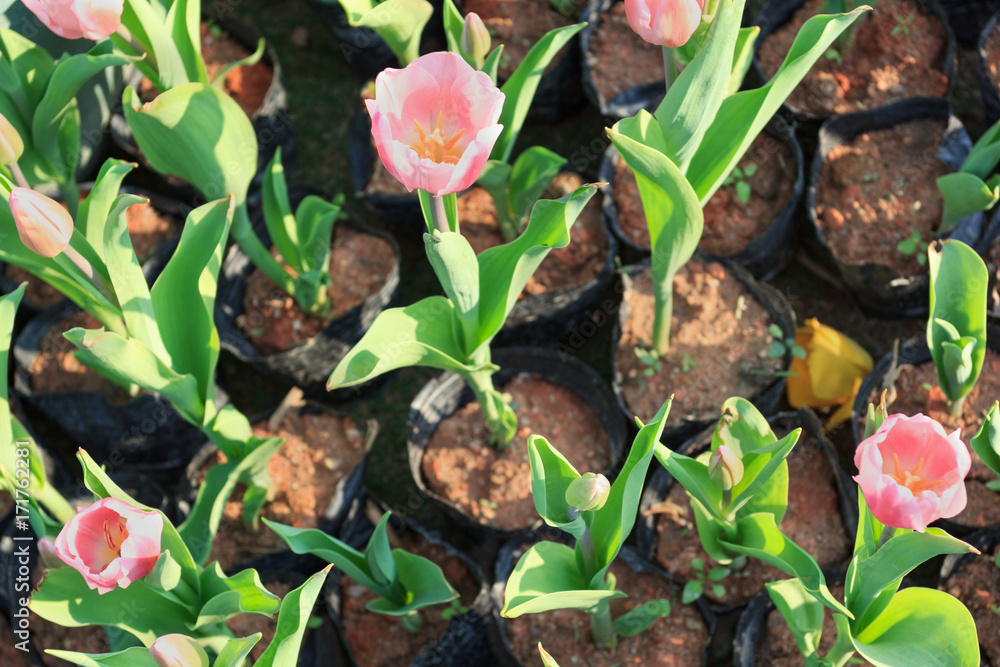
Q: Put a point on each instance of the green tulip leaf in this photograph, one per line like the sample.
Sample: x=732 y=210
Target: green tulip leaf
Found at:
x=986 y=442
x=802 y=612
x=964 y=194
x=423 y=581
x=137 y=656
x=293 y=620
x=551 y=475
x=638 y=619
x=235 y=652
x=400 y=23
x=531 y=174
x=225 y=597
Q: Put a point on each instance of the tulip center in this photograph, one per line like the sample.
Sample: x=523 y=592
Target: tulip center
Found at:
x=436 y=146
x=115 y=533
x=911 y=478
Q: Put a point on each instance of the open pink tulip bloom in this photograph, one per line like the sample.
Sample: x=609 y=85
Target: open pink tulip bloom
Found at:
x=912 y=473
x=664 y=22
x=76 y=19
x=111 y=543
x=435 y=122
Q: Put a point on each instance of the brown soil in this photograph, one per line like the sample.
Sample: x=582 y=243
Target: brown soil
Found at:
x=46 y=635
x=147 y=227
x=813 y=521
x=494 y=485
x=247 y=85
x=360 y=265
x=678 y=640
x=580 y=261
x=878 y=189
x=878 y=66
x=917 y=391
x=319 y=451
x=6 y=502
x=378 y=640
x=730 y=225
x=384 y=183
x=518 y=25
x=56 y=370
x=619 y=58
x=777 y=647
x=245 y=625
x=977 y=585
x=729 y=351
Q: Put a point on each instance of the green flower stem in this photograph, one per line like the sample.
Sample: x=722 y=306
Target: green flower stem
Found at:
x=54 y=502
x=18 y=175
x=500 y=418
x=669 y=66
x=438 y=215
x=955 y=407
x=260 y=256
x=887 y=534
x=602 y=627
x=412 y=622
x=661 y=323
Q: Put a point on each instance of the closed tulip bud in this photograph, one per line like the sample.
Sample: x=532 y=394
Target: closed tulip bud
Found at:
x=43 y=225
x=664 y=22
x=725 y=468
x=11 y=145
x=178 y=651
x=476 y=41
x=588 y=492
x=47 y=552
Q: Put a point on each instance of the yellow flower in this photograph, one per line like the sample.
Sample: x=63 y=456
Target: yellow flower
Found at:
x=830 y=374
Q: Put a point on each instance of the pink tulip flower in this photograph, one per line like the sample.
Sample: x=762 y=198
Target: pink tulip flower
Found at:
x=75 y=19
x=664 y=22
x=43 y=225
x=111 y=543
x=435 y=122
x=912 y=472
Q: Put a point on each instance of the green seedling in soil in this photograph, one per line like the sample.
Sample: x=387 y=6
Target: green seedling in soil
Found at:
x=651 y=359
x=741 y=305
x=914 y=245
x=782 y=345
x=834 y=55
x=565 y=7
x=738 y=179
x=902 y=25
x=696 y=587
x=455 y=608
x=870 y=177
x=688 y=363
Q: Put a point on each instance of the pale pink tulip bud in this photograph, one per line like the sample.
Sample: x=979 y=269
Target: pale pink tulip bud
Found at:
x=111 y=543
x=725 y=468
x=47 y=552
x=75 y=19
x=476 y=40
x=178 y=651
x=588 y=492
x=664 y=22
x=912 y=472
x=11 y=144
x=45 y=227
x=435 y=122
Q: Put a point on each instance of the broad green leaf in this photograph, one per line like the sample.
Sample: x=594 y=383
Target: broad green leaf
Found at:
x=315 y=218
x=198 y=133
x=137 y=656
x=453 y=22
x=344 y=557
x=547 y=660
x=127 y=361
x=504 y=270
x=693 y=476
x=531 y=174
x=278 y=215
x=148 y=25
x=612 y=524
x=454 y=262
x=802 y=612
x=742 y=116
x=758 y=536
x=400 y=23
x=742 y=57
x=8 y=458
x=893 y=560
x=519 y=89
x=96 y=208
x=378 y=554
x=765 y=480
x=551 y=475
x=293 y=619
x=713 y=533
x=921 y=622
x=638 y=619
x=166 y=574
x=692 y=101
x=986 y=442
x=673 y=214
x=495 y=179
x=201 y=525
x=226 y=597
x=184 y=23
x=546 y=578
x=356 y=8
x=423 y=581
x=27 y=67
x=235 y=652
x=958 y=279
x=184 y=297
x=64 y=598
x=985 y=154
x=128 y=281
x=964 y=194
x=422 y=334
x=59 y=100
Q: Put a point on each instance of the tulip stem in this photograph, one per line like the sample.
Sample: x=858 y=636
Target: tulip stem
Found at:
x=669 y=66
x=602 y=627
x=439 y=217
x=15 y=171
x=887 y=534
x=250 y=243
x=955 y=407
x=81 y=263
x=54 y=502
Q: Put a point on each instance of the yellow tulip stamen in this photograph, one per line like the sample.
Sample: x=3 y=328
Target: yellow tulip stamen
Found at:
x=911 y=478
x=435 y=146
